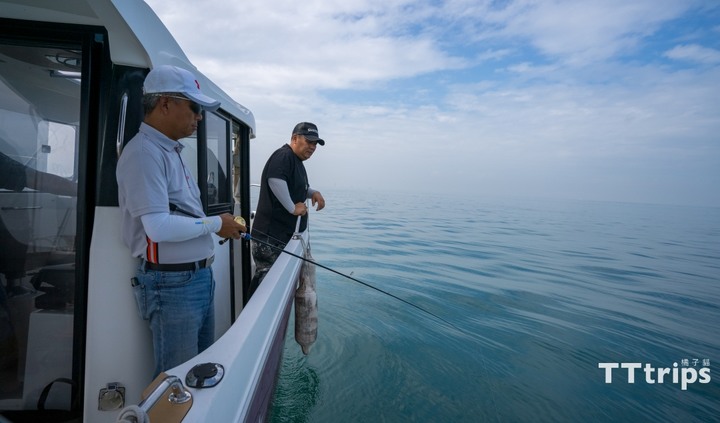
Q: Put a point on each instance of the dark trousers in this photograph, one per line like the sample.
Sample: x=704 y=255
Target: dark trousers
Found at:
x=264 y=257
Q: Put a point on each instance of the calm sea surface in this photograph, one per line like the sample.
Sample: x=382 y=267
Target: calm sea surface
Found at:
x=538 y=292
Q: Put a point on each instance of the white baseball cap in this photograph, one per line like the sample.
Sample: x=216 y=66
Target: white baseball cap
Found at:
x=171 y=79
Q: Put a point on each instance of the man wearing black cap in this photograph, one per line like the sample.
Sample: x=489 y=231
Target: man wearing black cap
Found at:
x=284 y=187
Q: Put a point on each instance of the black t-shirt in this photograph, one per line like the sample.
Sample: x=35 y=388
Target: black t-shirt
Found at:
x=271 y=217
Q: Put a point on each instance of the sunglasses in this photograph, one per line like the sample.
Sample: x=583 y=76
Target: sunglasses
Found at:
x=196 y=108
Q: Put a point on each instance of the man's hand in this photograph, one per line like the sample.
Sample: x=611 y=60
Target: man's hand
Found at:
x=318 y=199
x=300 y=209
x=230 y=228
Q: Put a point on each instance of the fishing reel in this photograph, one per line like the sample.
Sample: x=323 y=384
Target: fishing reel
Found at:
x=238 y=219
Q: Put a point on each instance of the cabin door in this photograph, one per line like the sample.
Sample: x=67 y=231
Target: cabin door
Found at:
x=41 y=90
x=208 y=156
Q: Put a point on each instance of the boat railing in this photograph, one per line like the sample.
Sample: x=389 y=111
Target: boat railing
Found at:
x=249 y=351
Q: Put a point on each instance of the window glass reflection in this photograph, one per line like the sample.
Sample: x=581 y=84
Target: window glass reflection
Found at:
x=217 y=159
x=39 y=122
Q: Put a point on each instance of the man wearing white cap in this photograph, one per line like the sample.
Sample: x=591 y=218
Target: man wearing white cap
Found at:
x=174 y=283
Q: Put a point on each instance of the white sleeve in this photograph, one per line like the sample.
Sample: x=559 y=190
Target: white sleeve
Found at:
x=282 y=193
x=165 y=227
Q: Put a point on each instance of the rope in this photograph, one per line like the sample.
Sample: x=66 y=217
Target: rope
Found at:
x=133 y=414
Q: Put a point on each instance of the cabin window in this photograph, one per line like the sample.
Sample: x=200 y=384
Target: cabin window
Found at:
x=207 y=155
x=236 y=141
x=217 y=160
x=216 y=145
x=61 y=143
x=40 y=94
x=190 y=154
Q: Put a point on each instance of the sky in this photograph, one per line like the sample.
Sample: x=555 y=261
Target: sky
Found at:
x=602 y=100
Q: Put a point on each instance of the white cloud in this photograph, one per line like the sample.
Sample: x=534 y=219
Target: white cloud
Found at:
x=317 y=44
x=586 y=31
x=694 y=53
x=528 y=94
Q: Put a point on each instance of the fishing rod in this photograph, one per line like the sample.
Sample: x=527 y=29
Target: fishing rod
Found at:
x=248 y=237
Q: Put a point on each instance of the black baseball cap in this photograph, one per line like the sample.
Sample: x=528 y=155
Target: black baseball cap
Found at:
x=309 y=131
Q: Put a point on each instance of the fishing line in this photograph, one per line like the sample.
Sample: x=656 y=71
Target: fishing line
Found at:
x=483 y=360
x=249 y=237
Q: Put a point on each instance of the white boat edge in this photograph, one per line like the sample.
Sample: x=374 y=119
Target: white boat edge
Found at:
x=250 y=351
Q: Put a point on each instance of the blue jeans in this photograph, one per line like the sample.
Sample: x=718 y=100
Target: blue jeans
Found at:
x=179 y=307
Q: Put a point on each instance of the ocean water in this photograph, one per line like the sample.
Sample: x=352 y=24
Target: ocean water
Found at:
x=533 y=295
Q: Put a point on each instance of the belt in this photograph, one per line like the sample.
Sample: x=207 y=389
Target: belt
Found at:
x=180 y=267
